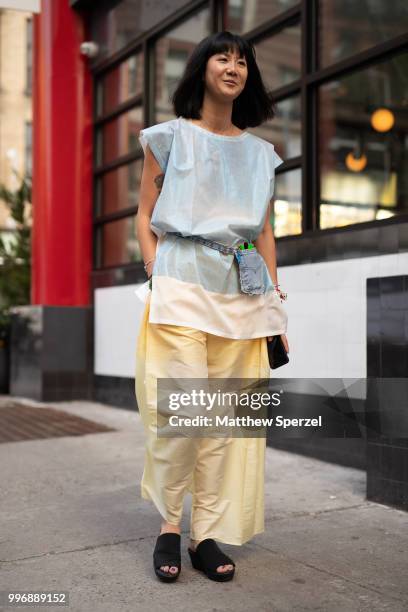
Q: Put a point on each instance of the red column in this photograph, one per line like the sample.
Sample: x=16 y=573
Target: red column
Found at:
x=62 y=159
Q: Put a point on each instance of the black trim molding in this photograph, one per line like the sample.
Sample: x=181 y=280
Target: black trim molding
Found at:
x=378 y=238
x=115 y=391
x=82 y=4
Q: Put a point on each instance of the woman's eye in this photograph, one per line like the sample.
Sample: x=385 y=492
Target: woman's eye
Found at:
x=224 y=59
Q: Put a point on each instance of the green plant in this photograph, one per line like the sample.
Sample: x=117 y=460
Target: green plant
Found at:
x=15 y=253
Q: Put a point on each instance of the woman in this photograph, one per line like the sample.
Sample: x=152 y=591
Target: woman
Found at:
x=205 y=176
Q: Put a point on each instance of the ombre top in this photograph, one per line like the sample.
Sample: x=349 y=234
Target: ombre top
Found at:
x=217 y=187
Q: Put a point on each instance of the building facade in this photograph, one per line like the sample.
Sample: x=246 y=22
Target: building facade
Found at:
x=339 y=73
x=15 y=104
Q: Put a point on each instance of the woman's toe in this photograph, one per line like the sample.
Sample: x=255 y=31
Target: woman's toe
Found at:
x=225 y=568
x=173 y=569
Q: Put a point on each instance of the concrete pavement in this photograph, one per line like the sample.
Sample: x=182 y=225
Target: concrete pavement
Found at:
x=72 y=519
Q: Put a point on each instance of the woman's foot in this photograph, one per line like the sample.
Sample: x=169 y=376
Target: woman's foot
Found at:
x=220 y=568
x=169 y=528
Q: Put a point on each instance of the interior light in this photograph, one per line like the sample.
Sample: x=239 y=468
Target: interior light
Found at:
x=356 y=164
x=382 y=120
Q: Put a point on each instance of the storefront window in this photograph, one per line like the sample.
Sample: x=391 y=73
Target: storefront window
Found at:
x=286 y=218
x=363 y=145
x=119 y=242
x=284 y=131
x=113 y=29
x=347 y=27
x=119 y=136
x=242 y=16
x=172 y=53
x=361 y=116
x=279 y=58
x=120 y=84
x=118 y=188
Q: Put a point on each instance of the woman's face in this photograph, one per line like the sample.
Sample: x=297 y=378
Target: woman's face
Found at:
x=224 y=67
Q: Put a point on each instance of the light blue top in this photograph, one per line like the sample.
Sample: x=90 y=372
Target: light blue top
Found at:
x=215 y=186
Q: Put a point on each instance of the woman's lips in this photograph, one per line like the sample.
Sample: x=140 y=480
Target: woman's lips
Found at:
x=230 y=82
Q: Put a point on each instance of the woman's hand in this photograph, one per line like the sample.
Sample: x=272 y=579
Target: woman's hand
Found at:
x=284 y=340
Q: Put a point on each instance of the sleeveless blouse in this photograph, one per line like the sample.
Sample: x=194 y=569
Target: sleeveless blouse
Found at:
x=217 y=187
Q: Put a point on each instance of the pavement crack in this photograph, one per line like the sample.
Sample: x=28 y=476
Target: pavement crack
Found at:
x=81 y=549
x=366 y=504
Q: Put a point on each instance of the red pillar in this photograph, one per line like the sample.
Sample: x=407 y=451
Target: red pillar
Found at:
x=62 y=159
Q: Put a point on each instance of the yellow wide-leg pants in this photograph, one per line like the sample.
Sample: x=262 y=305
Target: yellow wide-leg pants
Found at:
x=225 y=475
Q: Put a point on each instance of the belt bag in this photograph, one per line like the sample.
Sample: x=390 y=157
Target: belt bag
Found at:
x=250 y=263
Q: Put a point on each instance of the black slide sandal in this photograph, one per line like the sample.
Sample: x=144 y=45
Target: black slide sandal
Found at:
x=207 y=557
x=167 y=552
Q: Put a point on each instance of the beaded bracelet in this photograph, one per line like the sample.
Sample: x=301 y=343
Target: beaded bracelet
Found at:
x=282 y=294
x=147 y=263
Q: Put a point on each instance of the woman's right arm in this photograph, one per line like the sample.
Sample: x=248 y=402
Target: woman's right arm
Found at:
x=150 y=187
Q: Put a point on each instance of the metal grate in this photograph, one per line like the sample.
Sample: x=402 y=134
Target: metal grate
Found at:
x=20 y=422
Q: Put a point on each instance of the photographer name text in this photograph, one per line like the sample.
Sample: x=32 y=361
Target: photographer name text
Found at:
x=244 y=421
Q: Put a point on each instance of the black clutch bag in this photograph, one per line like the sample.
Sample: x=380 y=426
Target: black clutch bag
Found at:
x=276 y=352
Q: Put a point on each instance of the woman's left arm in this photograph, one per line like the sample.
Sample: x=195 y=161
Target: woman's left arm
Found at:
x=265 y=245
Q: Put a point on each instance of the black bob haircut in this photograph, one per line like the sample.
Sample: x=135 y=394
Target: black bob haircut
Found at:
x=251 y=108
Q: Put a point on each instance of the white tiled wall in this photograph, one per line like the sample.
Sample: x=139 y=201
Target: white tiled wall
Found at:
x=327 y=310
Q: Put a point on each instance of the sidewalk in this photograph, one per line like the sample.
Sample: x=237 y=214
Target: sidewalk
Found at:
x=72 y=519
